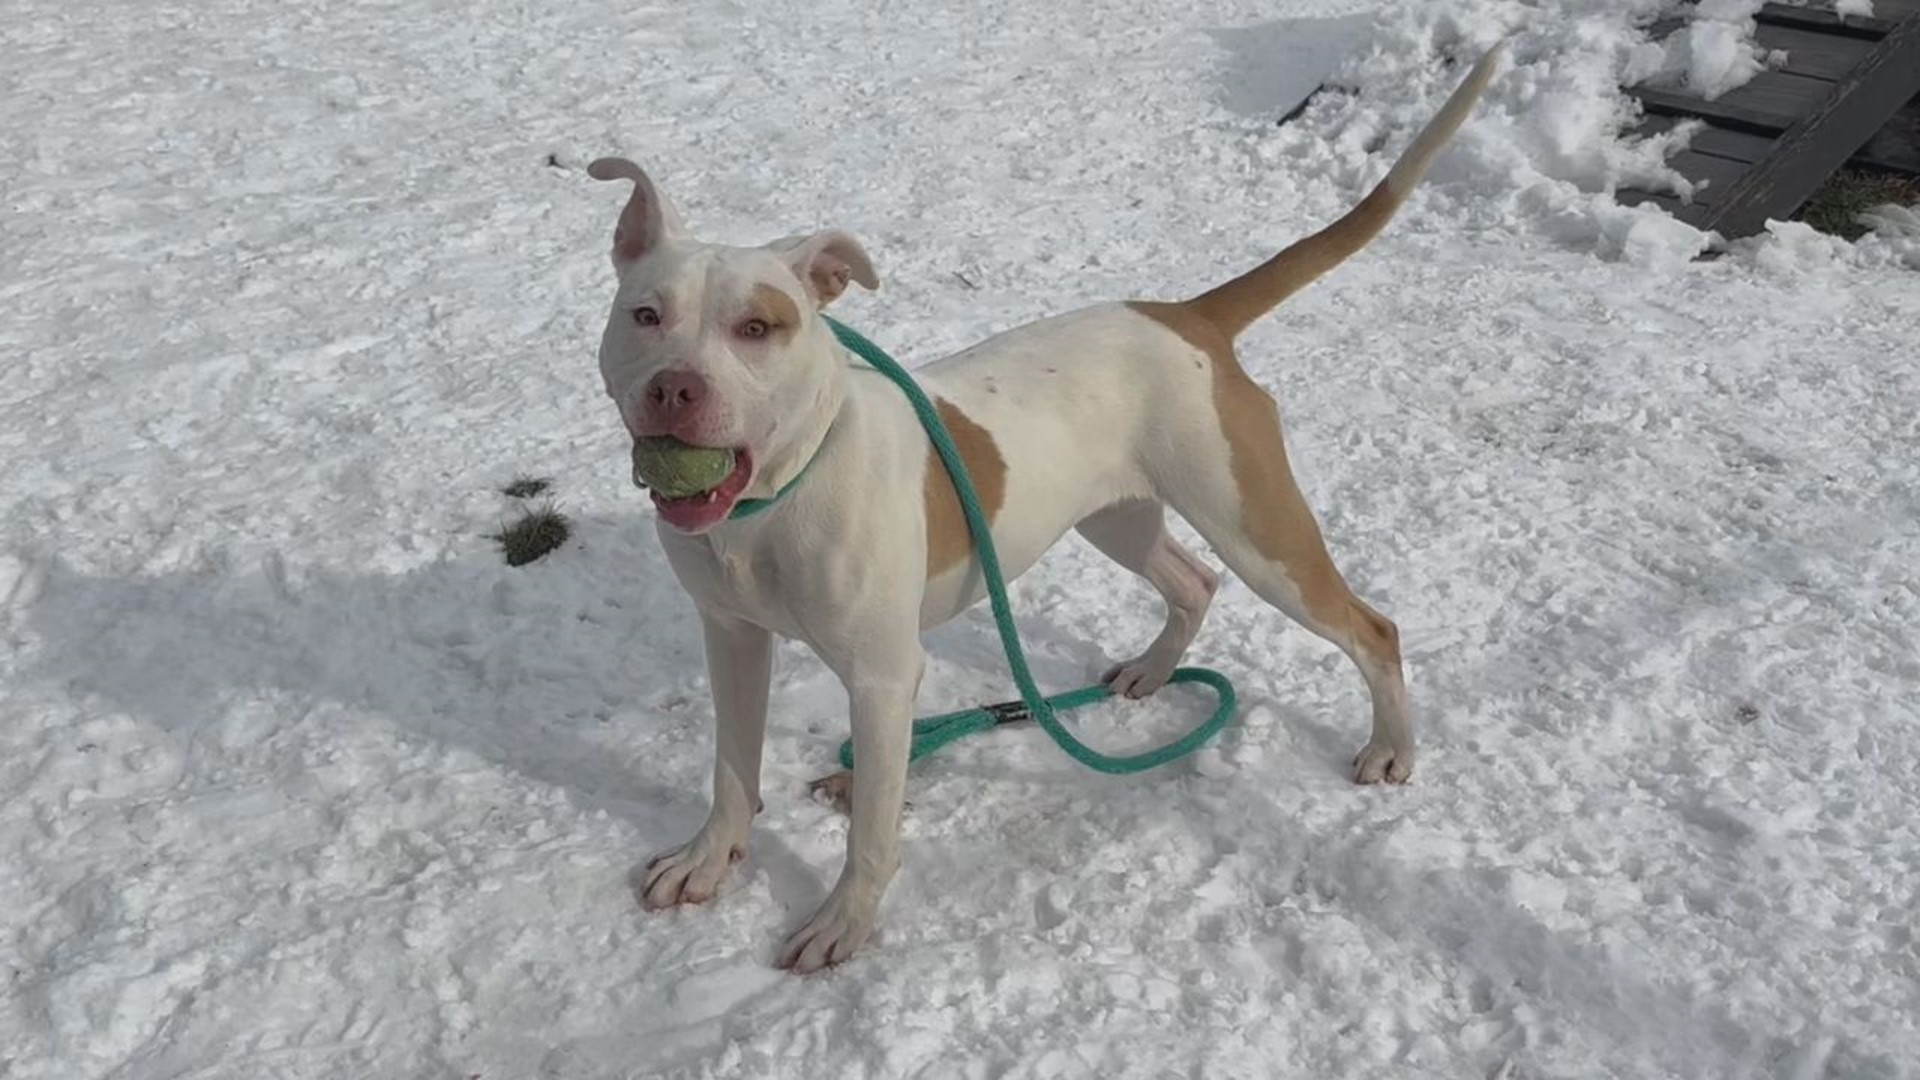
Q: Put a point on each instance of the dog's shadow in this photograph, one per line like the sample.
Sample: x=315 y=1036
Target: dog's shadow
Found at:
x=545 y=670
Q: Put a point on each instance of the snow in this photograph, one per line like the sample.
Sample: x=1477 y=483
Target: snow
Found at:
x=302 y=781
x=1713 y=53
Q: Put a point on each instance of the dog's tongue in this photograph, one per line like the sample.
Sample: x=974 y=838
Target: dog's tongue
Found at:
x=698 y=513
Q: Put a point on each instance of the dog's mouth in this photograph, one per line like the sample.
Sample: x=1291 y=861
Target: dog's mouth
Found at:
x=699 y=512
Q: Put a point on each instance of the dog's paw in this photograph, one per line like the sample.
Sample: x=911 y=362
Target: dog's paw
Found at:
x=834 y=789
x=839 y=928
x=1379 y=761
x=690 y=874
x=1139 y=677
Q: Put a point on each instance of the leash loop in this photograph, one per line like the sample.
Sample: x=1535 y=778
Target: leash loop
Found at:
x=933 y=732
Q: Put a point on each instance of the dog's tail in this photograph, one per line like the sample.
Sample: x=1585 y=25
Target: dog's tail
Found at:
x=1234 y=306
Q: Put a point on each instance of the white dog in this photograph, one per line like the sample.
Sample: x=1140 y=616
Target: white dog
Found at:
x=1095 y=420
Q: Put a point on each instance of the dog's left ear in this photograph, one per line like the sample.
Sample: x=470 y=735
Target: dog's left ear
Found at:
x=825 y=262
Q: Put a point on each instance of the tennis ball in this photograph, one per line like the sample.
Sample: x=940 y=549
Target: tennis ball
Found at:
x=677 y=470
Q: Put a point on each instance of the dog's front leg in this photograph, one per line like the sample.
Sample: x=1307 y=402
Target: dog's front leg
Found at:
x=881 y=699
x=739 y=667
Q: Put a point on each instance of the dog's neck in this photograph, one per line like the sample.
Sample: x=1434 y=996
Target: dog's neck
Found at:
x=814 y=419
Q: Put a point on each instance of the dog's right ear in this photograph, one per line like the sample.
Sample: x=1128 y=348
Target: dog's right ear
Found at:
x=648 y=217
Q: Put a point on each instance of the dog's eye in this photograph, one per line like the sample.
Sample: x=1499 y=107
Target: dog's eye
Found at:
x=646 y=316
x=755 y=328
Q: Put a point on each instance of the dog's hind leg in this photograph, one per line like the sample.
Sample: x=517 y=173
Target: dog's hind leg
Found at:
x=1242 y=497
x=1134 y=534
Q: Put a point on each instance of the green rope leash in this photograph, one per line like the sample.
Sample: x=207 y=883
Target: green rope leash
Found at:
x=933 y=732
x=747 y=508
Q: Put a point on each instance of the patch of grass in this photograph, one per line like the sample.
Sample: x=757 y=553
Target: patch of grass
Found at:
x=526 y=487
x=1837 y=206
x=533 y=534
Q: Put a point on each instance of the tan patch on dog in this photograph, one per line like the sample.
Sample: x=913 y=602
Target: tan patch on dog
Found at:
x=1194 y=328
x=948 y=541
x=1274 y=515
x=773 y=307
x=1234 y=306
x=1375 y=633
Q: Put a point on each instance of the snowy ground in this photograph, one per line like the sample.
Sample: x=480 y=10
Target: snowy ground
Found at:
x=299 y=780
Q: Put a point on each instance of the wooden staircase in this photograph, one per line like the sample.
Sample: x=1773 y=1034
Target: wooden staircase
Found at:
x=1849 y=93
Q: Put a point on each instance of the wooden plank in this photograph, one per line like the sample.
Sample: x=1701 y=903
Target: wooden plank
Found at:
x=1824 y=19
x=1664 y=199
x=1767 y=112
x=1708 y=139
x=1660 y=28
x=1778 y=94
x=1770 y=102
x=1819 y=16
x=1673 y=103
x=1822 y=56
x=1712 y=176
x=1896 y=146
x=1821 y=141
x=1737 y=145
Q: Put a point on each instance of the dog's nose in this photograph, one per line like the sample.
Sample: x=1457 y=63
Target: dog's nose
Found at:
x=671 y=395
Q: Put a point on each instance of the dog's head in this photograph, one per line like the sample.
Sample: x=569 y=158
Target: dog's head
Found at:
x=722 y=346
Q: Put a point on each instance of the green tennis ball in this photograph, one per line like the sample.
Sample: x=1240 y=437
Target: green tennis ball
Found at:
x=677 y=470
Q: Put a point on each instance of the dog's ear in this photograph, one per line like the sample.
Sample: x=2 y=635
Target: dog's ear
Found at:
x=825 y=262
x=648 y=217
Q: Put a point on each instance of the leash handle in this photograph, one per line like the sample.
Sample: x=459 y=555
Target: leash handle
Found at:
x=934 y=732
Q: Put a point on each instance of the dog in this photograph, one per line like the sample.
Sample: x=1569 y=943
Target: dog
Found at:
x=1097 y=420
